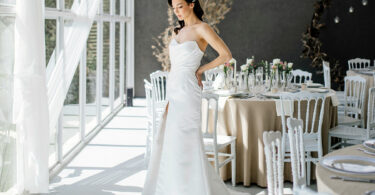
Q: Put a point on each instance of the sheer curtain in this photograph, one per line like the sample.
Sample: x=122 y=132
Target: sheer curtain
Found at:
x=30 y=112
x=61 y=74
x=7 y=132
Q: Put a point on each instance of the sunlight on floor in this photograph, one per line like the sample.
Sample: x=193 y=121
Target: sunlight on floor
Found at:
x=112 y=163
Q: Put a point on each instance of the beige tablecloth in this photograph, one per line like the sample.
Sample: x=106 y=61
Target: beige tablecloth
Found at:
x=339 y=187
x=247 y=119
x=369 y=84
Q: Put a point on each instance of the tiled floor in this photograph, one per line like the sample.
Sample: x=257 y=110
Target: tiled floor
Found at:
x=112 y=163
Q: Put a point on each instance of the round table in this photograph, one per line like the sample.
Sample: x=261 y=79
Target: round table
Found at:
x=247 y=119
x=337 y=186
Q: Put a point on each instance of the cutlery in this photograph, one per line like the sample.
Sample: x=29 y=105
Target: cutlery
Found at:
x=366 y=151
x=372 y=192
x=344 y=178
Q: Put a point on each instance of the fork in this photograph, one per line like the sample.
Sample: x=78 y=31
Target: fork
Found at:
x=366 y=151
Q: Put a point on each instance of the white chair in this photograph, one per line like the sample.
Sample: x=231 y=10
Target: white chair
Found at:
x=274 y=162
x=312 y=132
x=327 y=74
x=354 y=133
x=303 y=76
x=213 y=143
x=149 y=106
x=159 y=82
x=358 y=63
x=327 y=84
x=159 y=102
x=355 y=87
x=297 y=152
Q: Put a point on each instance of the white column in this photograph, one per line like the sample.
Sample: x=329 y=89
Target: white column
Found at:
x=122 y=51
x=130 y=46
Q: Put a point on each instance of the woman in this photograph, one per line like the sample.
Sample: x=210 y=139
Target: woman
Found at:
x=178 y=164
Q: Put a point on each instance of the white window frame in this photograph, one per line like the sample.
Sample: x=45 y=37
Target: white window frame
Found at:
x=60 y=14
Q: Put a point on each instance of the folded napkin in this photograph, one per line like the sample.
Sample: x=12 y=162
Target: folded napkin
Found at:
x=288 y=107
x=219 y=80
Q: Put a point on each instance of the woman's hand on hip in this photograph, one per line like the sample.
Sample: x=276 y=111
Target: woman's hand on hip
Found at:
x=198 y=74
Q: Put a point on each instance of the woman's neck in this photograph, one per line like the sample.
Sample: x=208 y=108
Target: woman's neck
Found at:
x=191 y=20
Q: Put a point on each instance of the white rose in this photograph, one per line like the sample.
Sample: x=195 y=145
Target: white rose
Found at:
x=244 y=67
x=290 y=65
x=249 y=61
x=221 y=67
x=276 y=61
x=232 y=61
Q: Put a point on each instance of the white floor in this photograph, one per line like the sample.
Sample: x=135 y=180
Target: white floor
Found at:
x=112 y=163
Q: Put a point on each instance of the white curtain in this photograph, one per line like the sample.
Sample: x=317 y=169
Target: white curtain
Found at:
x=61 y=75
x=30 y=98
x=7 y=133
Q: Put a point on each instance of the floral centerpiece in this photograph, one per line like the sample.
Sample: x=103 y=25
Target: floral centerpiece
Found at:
x=227 y=68
x=287 y=68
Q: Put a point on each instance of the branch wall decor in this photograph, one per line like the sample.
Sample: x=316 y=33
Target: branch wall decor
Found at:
x=312 y=45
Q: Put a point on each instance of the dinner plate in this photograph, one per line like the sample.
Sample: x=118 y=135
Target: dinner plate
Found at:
x=230 y=93
x=318 y=90
x=370 y=144
x=366 y=72
x=350 y=164
x=311 y=85
x=271 y=95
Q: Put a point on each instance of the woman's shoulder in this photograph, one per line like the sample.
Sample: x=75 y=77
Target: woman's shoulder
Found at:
x=204 y=28
x=203 y=25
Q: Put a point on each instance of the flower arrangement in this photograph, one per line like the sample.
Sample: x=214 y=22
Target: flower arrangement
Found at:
x=288 y=68
x=252 y=66
x=228 y=66
x=264 y=64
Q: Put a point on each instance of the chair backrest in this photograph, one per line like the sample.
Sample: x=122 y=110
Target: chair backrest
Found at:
x=209 y=97
x=310 y=109
x=355 y=89
x=159 y=83
x=358 y=63
x=297 y=152
x=303 y=76
x=274 y=162
x=371 y=111
x=148 y=93
x=212 y=97
x=327 y=75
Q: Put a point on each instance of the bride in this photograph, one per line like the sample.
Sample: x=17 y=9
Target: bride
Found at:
x=178 y=164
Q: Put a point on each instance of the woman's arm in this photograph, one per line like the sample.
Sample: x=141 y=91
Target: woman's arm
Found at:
x=209 y=35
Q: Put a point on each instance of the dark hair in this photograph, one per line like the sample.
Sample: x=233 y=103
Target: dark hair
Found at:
x=197 y=10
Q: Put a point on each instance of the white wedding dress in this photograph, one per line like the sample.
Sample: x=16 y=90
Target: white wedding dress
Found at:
x=178 y=164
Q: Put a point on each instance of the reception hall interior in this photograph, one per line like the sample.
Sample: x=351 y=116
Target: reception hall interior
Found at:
x=84 y=86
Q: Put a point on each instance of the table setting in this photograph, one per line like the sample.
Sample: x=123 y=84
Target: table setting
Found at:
x=247 y=108
x=261 y=80
x=350 y=170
